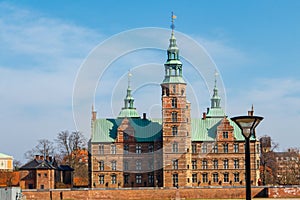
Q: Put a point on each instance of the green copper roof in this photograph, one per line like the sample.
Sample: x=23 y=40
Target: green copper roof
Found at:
x=206 y=129
x=173 y=62
x=173 y=79
x=215 y=113
x=105 y=130
x=128 y=112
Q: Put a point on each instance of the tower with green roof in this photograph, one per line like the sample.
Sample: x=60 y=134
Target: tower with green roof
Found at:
x=128 y=110
x=175 y=119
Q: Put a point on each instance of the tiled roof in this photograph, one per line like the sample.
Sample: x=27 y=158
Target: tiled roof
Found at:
x=37 y=164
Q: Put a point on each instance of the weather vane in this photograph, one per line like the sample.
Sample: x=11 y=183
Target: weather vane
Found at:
x=129 y=76
x=172 y=20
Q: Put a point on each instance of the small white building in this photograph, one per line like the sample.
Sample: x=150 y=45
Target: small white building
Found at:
x=6 y=162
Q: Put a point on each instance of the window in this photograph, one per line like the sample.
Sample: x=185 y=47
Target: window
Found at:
x=101 y=179
x=138 y=165
x=236 y=164
x=126 y=165
x=114 y=165
x=101 y=149
x=138 y=149
x=138 y=178
x=126 y=149
x=204 y=164
x=174 y=130
x=150 y=165
x=225 y=148
x=257 y=164
x=175 y=164
x=215 y=177
x=42 y=187
x=174 y=88
x=150 y=178
x=215 y=164
x=204 y=148
x=194 y=148
x=194 y=164
x=174 y=103
x=113 y=149
x=175 y=180
x=126 y=178
x=194 y=178
x=175 y=147
x=215 y=148
x=257 y=148
x=225 y=164
x=204 y=178
x=226 y=177
x=45 y=174
x=236 y=177
x=101 y=165
x=126 y=137
x=236 y=147
x=225 y=134
x=150 y=148
x=174 y=116
x=39 y=175
x=113 y=179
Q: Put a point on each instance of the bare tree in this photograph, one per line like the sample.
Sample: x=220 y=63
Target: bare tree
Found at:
x=73 y=148
x=44 y=147
x=268 y=160
x=68 y=144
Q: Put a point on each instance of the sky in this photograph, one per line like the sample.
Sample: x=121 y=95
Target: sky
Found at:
x=44 y=47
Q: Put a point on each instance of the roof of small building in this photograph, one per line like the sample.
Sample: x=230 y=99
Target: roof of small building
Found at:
x=2 y=155
x=38 y=164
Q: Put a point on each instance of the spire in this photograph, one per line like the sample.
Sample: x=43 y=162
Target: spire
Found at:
x=128 y=101
x=128 y=110
x=215 y=100
x=173 y=66
x=173 y=51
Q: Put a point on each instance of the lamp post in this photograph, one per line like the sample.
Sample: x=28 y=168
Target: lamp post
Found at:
x=247 y=124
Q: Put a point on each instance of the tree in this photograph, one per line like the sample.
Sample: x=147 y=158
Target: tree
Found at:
x=73 y=148
x=268 y=160
x=44 y=148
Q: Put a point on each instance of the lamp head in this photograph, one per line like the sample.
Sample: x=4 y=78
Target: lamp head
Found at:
x=247 y=124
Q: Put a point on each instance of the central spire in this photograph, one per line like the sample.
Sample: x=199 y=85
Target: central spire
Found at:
x=173 y=66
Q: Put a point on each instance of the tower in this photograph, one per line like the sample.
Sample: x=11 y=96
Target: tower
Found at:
x=175 y=120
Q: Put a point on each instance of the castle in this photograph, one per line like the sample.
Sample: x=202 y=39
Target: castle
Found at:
x=174 y=151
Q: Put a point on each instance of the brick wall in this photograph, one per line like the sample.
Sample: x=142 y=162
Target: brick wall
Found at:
x=148 y=193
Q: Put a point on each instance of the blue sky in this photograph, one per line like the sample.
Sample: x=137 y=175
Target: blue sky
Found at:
x=254 y=44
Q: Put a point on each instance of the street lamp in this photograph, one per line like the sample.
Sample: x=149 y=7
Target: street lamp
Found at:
x=247 y=124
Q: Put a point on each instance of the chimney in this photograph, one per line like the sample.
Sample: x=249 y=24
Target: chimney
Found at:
x=207 y=110
x=94 y=114
x=204 y=115
x=37 y=157
x=41 y=157
x=144 y=116
x=251 y=112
